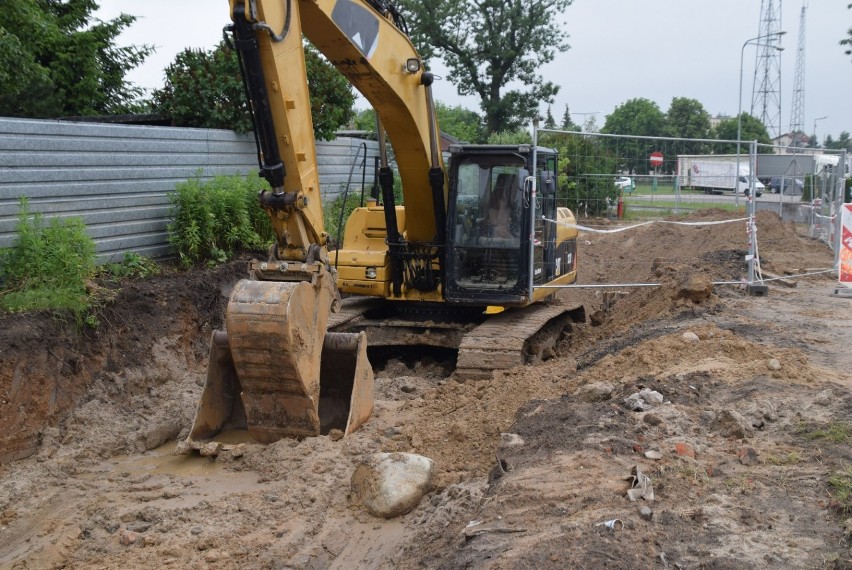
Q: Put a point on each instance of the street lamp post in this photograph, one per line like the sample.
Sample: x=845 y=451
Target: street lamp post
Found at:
x=816 y=141
x=740 y=104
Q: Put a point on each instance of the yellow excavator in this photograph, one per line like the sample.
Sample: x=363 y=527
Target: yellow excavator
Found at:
x=460 y=264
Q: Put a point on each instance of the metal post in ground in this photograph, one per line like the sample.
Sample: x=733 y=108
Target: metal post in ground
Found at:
x=838 y=207
x=755 y=284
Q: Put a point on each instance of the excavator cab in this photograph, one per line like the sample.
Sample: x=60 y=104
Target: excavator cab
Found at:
x=488 y=237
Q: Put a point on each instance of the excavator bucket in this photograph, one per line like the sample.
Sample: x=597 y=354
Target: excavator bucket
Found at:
x=277 y=373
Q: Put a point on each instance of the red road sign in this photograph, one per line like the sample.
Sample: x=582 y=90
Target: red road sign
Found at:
x=656 y=159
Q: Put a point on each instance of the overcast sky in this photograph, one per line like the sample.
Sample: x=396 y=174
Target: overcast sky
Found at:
x=620 y=50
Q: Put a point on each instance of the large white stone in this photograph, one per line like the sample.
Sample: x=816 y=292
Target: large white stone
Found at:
x=392 y=484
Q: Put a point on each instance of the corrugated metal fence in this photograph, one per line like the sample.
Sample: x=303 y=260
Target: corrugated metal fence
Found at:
x=117 y=178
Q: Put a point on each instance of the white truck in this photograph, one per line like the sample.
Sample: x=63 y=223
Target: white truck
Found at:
x=716 y=174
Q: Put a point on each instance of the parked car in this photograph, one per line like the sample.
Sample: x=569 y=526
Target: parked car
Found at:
x=625 y=184
x=791 y=185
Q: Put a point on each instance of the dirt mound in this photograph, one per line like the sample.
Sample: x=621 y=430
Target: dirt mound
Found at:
x=48 y=367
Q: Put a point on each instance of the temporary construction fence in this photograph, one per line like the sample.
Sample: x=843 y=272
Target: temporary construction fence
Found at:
x=647 y=180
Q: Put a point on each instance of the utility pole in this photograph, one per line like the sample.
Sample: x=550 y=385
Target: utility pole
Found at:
x=797 y=115
x=766 y=93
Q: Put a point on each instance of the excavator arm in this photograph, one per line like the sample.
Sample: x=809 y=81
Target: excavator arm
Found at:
x=275 y=370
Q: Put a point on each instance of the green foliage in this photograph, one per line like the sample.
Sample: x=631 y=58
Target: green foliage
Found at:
x=843 y=142
x=134 y=266
x=840 y=485
x=580 y=184
x=492 y=44
x=364 y=120
x=687 y=119
x=751 y=129
x=520 y=136
x=567 y=124
x=57 y=60
x=205 y=89
x=48 y=267
x=336 y=213
x=214 y=218
x=639 y=117
x=549 y=121
x=462 y=123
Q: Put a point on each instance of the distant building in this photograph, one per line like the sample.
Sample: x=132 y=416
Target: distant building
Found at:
x=790 y=143
x=714 y=121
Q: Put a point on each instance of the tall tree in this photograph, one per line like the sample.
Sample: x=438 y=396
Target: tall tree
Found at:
x=488 y=44
x=57 y=60
x=751 y=129
x=567 y=124
x=205 y=89
x=641 y=118
x=549 y=121
x=687 y=119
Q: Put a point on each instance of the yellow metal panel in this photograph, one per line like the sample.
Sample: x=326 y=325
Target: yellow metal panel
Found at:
x=398 y=97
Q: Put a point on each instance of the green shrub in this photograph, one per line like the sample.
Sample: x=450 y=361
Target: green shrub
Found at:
x=133 y=266
x=334 y=224
x=48 y=266
x=214 y=218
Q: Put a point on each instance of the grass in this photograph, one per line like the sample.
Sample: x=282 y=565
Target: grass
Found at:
x=686 y=203
x=840 y=489
x=791 y=458
x=836 y=432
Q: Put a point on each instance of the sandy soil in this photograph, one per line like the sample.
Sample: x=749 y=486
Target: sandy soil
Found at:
x=753 y=427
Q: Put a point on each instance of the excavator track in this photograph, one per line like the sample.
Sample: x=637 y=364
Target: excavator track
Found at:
x=512 y=338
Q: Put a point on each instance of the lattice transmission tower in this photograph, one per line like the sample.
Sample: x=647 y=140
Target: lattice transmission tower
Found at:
x=797 y=114
x=766 y=93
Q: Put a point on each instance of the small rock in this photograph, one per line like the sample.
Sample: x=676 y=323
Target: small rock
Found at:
x=270 y=498
x=847 y=526
x=407 y=388
x=392 y=432
x=690 y=337
x=595 y=392
x=511 y=440
x=732 y=424
x=127 y=537
x=651 y=396
x=392 y=484
x=653 y=454
x=636 y=403
x=774 y=364
x=210 y=449
x=151 y=540
x=150 y=514
x=824 y=398
x=637 y=448
x=748 y=456
x=196 y=530
x=647 y=513
x=684 y=449
x=652 y=419
x=708 y=416
x=139 y=527
x=335 y=435
x=156 y=434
